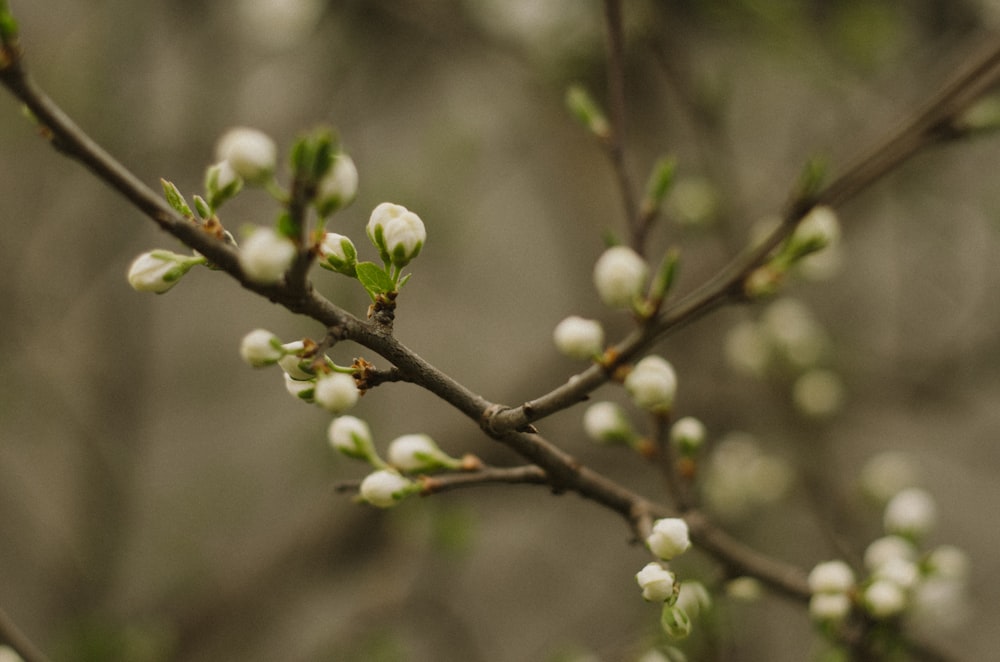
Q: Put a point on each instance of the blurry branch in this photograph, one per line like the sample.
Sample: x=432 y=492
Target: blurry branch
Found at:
x=615 y=139
x=12 y=636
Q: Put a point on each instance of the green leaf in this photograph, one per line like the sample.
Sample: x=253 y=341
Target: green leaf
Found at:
x=660 y=181
x=374 y=278
x=175 y=199
x=204 y=210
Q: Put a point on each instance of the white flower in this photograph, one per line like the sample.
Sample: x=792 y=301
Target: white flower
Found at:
x=266 y=255
x=339 y=254
x=657 y=583
x=902 y=572
x=292 y=362
x=418 y=452
x=338 y=187
x=605 y=422
x=693 y=598
x=652 y=384
x=157 y=271
x=261 y=348
x=221 y=182
x=352 y=437
x=819 y=229
x=385 y=488
x=620 y=276
x=336 y=392
x=688 y=434
x=302 y=389
x=828 y=607
x=910 y=513
x=669 y=538
x=884 y=598
x=579 y=338
x=251 y=153
x=885 y=549
x=948 y=562
x=831 y=577
x=397 y=232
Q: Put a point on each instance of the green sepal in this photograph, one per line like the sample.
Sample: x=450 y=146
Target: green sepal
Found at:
x=204 y=210
x=175 y=199
x=374 y=279
x=665 y=276
x=8 y=24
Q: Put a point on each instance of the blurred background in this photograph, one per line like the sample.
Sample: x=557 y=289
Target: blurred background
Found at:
x=161 y=501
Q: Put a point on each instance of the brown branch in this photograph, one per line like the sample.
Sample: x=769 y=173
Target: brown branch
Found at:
x=614 y=142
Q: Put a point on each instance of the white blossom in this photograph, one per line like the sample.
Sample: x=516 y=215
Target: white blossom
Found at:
x=827 y=607
x=606 y=422
x=669 y=538
x=652 y=384
x=657 y=583
x=398 y=233
x=884 y=549
x=675 y=622
x=266 y=255
x=251 y=153
x=385 y=488
x=304 y=390
x=338 y=187
x=688 y=434
x=338 y=253
x=819 y=229
x=884 y=598
x=579 y=338
x=292 y=362
x=418 y=452
x=157 y=271
x=261 y=348
x=352 y=437
x=818 y=393
x=336 y=392
x=831 y=577
x=912 y=512
x=620 y=275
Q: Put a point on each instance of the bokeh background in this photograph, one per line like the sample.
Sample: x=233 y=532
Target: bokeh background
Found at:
x=161 y=501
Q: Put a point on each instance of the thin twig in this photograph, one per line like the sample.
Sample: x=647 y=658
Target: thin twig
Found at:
x=615 y=141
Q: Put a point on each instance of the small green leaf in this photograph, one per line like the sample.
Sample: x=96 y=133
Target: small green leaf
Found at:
x=586 y=110
x=8 y=25
x=175 y=199
x=660 y=181
x=374 y=278
x=204 y=210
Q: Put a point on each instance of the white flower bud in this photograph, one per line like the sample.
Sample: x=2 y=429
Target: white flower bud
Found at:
x=745 y=588
x=675 y=622
x=251 y=153
x=948 y=562
x=292 y=362
x=693 y=598
x=657 y=583
x=338 y=187
x=338 y=254
x=688 y=434
x=221 y=183
x=652 y=384
x=261 y=348
x=157 y=271
x=398 y=233
x=669 y=538
x=266 y=255
x=884 y=598
x=352 y=437
x=385 y=488
x=883 y=550
x=606 y=422
x=901 y=572
x=336 y=392
x=819 y=229
x=829 y=607
x=302 y=390
x=418 y=452
x=831 y=577
x=910 y=513
x=579 y=338
x=620 y=275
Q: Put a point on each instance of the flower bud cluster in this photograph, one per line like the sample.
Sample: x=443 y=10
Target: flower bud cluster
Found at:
x=408 y=454
x=668 y=539
x=397 y=233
